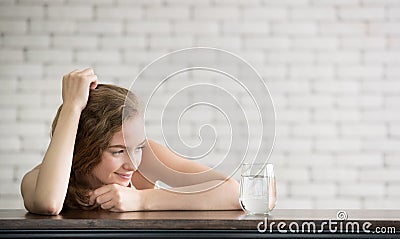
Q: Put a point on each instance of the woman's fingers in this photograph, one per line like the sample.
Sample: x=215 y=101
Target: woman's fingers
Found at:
x=98 y=192
x=107 y=205
x=92 y=78
x=87 y=71
x=93 y=81
x=73 y=72
x=104 y=198
x=76 y=86
x=107 y=189
x=117 y=198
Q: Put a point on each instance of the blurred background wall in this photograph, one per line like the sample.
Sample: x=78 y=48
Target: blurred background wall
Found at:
x=332 y=67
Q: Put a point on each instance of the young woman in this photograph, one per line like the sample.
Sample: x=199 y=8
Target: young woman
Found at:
x=91 y=164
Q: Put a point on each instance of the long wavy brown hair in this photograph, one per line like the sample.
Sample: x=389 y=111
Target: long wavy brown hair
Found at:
x=101 y=118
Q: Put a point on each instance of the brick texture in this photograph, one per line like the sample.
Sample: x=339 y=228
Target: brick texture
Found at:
x=332 y=68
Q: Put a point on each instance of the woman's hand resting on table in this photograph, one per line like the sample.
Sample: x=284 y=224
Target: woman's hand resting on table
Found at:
x=117 y=198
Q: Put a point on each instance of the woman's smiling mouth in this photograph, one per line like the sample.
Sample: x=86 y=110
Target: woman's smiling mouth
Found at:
x=125 y=176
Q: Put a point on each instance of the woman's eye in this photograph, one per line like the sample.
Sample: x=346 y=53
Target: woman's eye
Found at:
x=139 y=148
x=118 y=152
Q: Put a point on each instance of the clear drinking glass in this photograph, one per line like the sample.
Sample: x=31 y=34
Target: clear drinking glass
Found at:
x=257 y=188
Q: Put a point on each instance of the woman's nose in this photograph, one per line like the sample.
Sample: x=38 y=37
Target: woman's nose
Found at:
x=129 y=163
x=136 y=158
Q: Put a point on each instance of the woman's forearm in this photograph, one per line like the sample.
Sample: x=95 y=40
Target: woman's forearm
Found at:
x=195 y=197
x=53 y=177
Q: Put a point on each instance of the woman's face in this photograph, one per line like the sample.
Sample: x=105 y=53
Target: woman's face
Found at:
x=116 y=166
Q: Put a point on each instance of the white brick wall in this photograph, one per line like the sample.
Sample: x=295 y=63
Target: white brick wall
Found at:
x=332 y=67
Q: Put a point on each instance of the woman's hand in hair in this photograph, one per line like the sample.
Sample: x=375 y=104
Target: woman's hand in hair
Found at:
x=76 y=86
x=117 y=198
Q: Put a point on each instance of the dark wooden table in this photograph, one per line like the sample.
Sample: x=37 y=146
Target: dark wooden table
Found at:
x=202 y=224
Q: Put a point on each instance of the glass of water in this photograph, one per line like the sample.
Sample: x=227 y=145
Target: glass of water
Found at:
x=257 y=188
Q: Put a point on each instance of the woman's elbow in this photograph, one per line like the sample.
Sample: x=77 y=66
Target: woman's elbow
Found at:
x=45 y=208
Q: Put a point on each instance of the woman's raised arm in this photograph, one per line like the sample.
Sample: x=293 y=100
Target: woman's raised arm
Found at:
x=45 y=187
